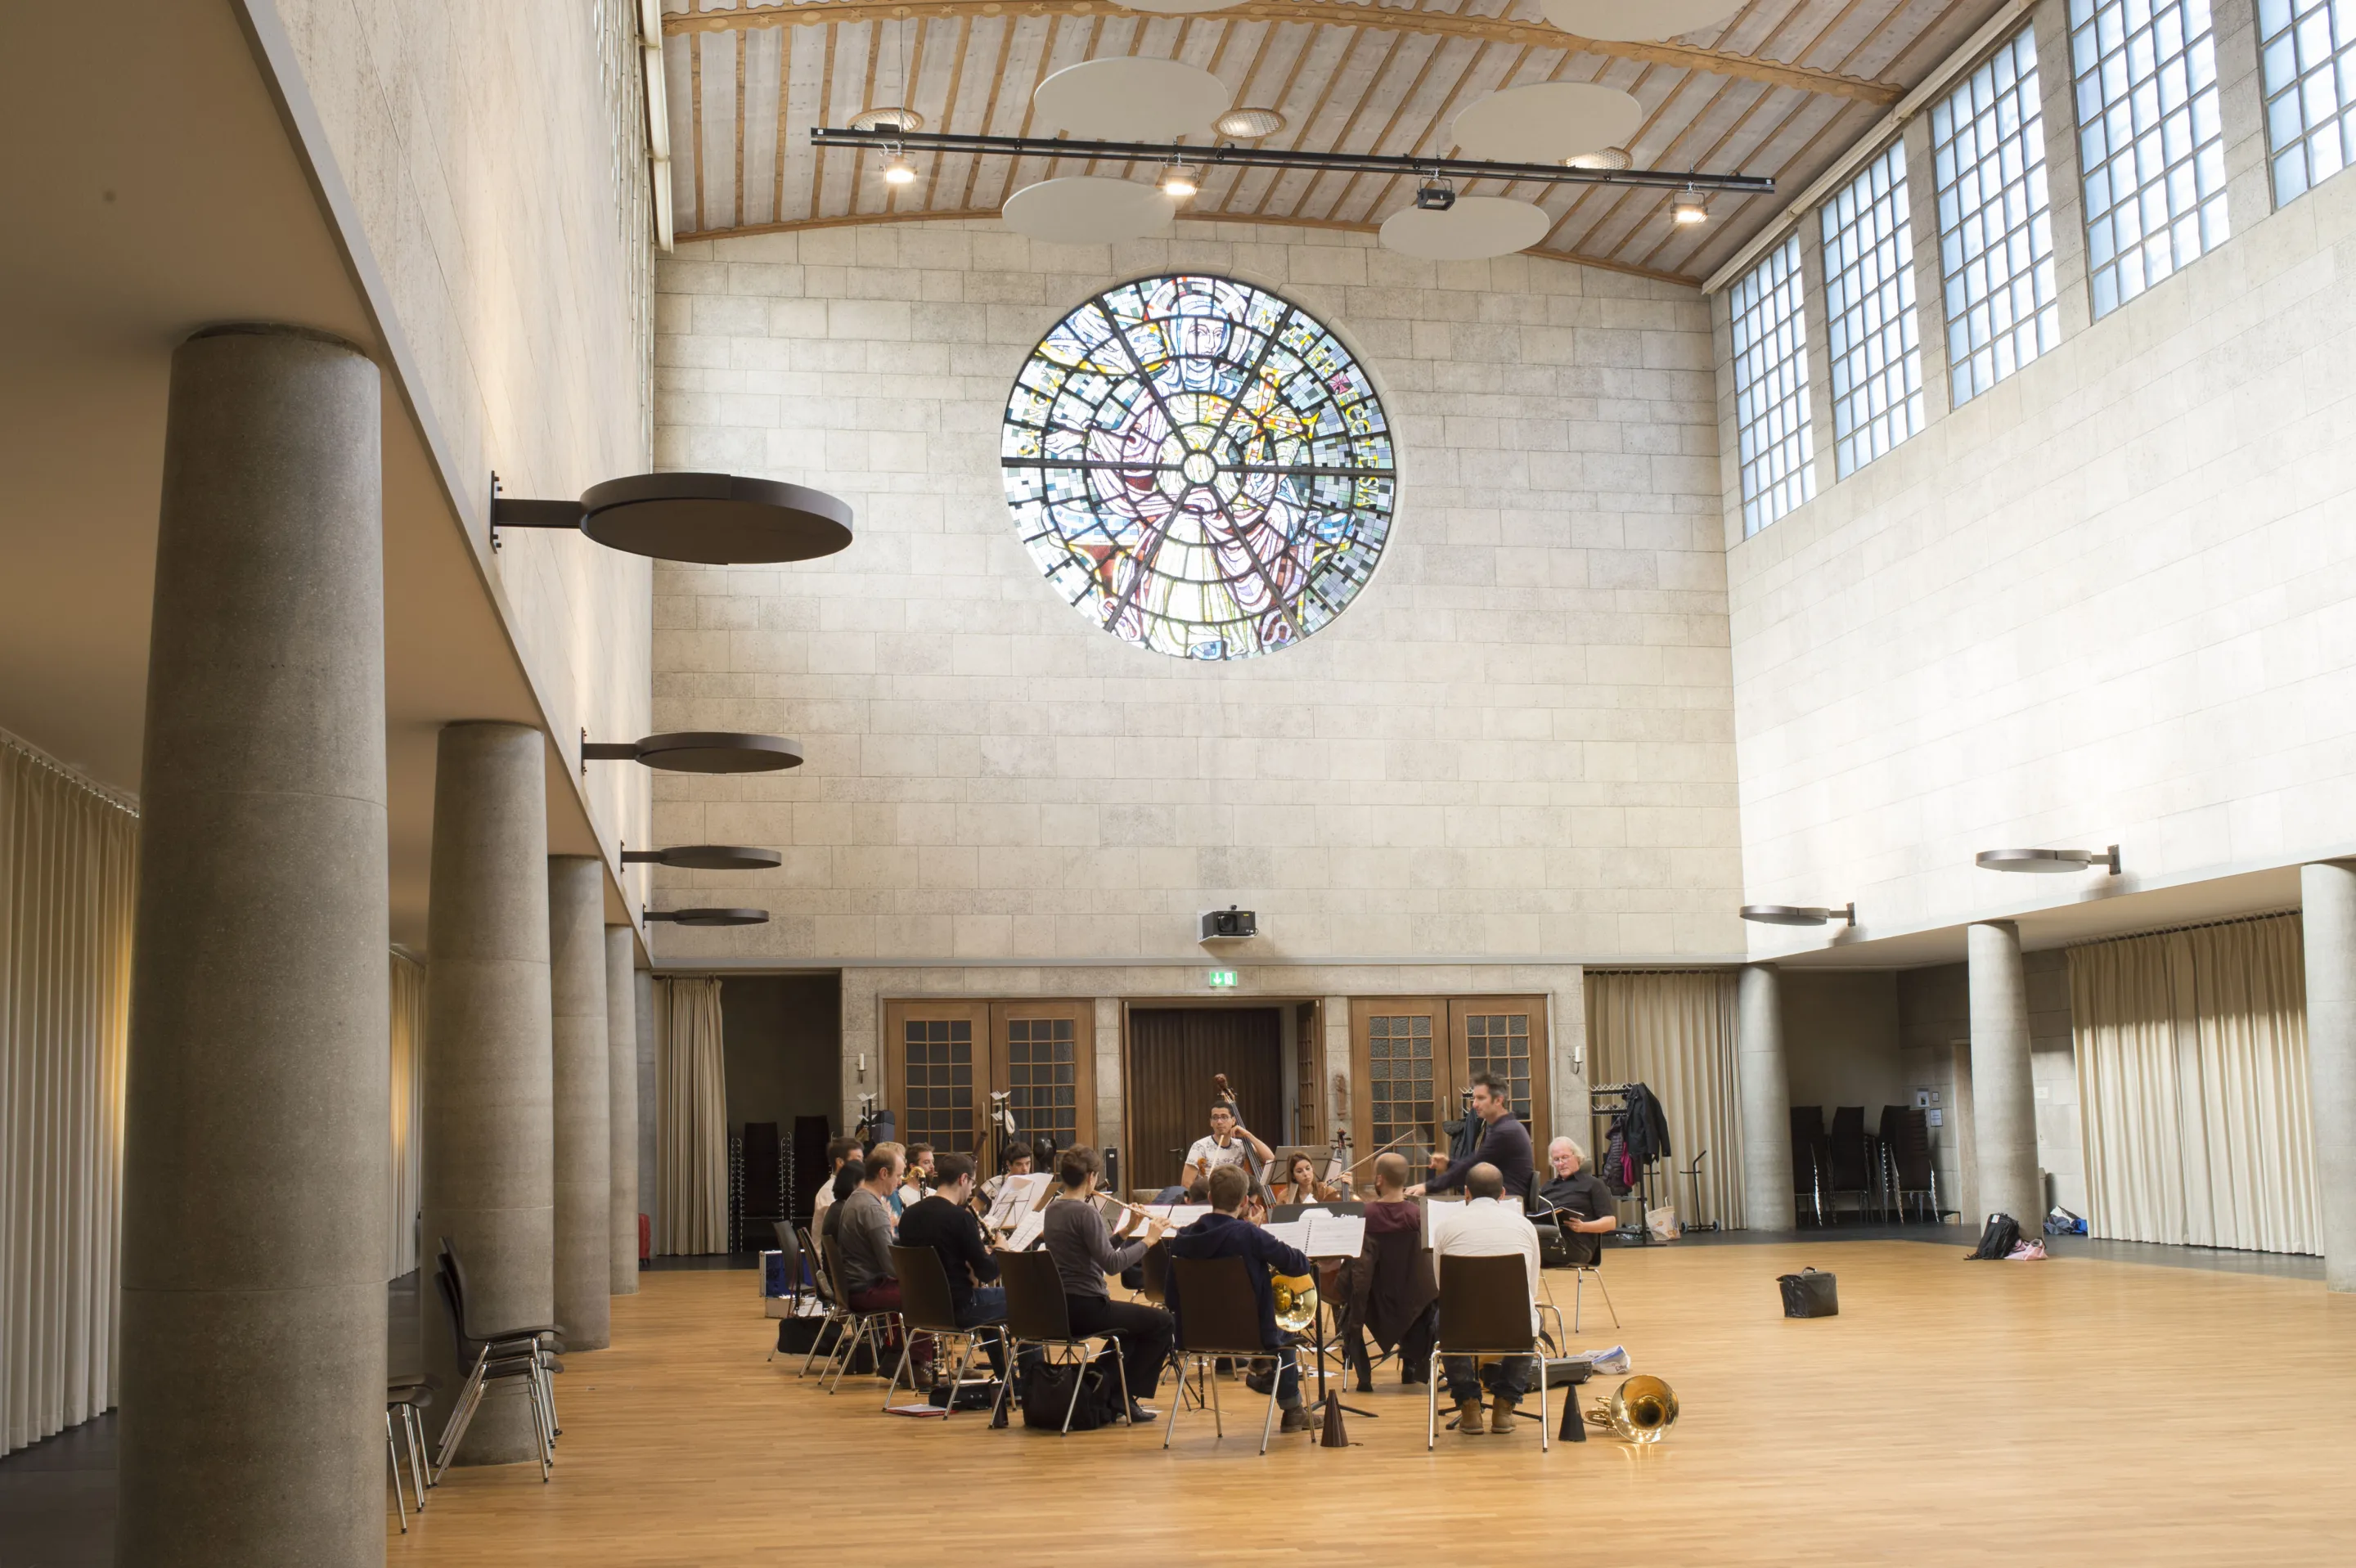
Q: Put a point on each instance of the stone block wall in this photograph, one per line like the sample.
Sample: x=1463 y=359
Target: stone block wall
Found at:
x=1515 y=744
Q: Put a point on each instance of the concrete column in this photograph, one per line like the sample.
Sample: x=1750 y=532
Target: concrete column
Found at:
x=256 y=1117
x=1766 y=1092
x=2327 y=892
x=2003 y=1093
x=2065 y=190
x=583 y=1101
x=1929 y=280
x=622 y=1108
x=490 y=1181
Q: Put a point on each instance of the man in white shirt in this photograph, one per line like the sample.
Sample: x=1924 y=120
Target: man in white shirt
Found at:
x=1227 y=1144
x=836 y=1151
x=1488 y=1226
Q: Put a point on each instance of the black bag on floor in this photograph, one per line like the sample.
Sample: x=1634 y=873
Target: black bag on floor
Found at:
x=2002 y=1234
x=1047 y=1394
x=1809 y=1294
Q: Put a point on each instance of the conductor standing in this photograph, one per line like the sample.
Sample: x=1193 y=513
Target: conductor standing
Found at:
x=1505 y=1144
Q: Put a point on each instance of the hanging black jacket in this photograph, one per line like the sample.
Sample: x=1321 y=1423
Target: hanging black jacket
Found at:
x=1648 y=1126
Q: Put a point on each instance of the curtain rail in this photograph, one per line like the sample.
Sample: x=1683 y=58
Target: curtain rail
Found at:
x=41 y=758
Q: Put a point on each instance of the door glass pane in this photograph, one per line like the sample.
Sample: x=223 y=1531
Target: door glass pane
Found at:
x=1500 y=1043
x=1399 y=1078
x=937 y=1098
x=1042 y=1079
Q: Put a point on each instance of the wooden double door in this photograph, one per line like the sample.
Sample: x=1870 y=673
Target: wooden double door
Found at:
x=943 y=1060
x=1412 y=1059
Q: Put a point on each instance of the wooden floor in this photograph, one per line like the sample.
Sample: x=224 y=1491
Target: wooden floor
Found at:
x=2072 y=1411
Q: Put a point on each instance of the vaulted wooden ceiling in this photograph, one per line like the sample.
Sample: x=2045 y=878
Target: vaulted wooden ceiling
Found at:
x=1779 y=90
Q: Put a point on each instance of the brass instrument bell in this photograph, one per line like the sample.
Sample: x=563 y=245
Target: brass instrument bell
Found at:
x=1641 y=1410
x=1296 y=1300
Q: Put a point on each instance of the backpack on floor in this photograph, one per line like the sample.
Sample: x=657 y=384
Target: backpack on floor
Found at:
x=2002 y=1234
x=1047 y=1394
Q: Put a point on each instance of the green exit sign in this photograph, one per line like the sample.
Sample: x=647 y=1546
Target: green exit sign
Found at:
x=1223 y=979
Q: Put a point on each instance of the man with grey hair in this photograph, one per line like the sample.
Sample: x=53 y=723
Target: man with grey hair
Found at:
x=1577 y=1202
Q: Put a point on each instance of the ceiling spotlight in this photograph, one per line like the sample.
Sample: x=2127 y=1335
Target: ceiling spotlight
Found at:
x=706 y=857
x=2049 y=861
x=890 y=118
x=698 y=751
x=899 y=170
x=707 y=916
x=1601 y=158
x=1797 y=914
x=716 y=519
x=1435 y=194
x=1688 y=209
x=1180 y=181
x=1250 y=124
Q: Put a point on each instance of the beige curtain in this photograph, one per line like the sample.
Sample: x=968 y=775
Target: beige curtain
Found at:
x=690 y=1122
x=2192 y=1052
x=67 y=881
x=1674 y=1032
x=408 y=1089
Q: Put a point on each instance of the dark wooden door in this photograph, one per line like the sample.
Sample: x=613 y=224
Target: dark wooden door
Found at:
x=1172 y=1054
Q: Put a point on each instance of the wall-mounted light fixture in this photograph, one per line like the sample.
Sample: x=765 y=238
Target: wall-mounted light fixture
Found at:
x=714 y=520
x=708 y=916
x=2048 y=861
x=1798 y=914
x=697 y=752
x=706 y=857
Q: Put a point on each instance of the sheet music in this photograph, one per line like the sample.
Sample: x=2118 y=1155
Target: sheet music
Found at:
x=1335 y=1235
x=1293 y=1233
x=1032 y=1226
x=1016 y=1195
x=1180 y=1215
x=1439 y=1216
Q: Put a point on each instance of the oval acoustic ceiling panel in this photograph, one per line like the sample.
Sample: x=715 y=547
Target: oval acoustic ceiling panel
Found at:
x=1547 y=121
x=1131 y=99
x=1475 y=229
x=1637 y=21
x=1088 y=210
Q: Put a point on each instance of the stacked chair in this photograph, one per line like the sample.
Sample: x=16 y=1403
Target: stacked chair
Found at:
x=1906 y=1160
x=496 y=1353
x=1810 y=1158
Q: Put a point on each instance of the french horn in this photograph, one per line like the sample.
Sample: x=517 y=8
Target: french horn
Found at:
x=1641 y=1410
x=1296 y=1300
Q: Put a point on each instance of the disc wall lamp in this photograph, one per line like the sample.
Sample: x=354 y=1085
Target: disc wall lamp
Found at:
x=2051 y=863
x=711 y=519
x=707 y=916
x=697 y=752
x=706 y=857
x=1798 y=914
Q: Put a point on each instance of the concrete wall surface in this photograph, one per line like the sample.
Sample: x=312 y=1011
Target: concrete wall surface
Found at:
x=1515 y=743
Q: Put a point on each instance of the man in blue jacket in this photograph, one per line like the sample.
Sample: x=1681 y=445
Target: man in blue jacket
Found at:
x=1224 y=1233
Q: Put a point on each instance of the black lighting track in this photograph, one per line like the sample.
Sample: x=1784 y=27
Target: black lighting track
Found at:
x=1231 y=155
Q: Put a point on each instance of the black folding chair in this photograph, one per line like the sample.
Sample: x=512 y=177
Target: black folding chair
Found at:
x=837 y=1322
x=1808 y=1157
x=1037 y=1314
x=487 y=1363
x=869 y=1328
x=927 y=1307
x=1219 y=1317
x=1484 y=1310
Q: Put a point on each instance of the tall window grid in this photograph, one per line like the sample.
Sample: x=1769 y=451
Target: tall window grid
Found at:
x=1770 y=388
x=2308 y=51
x=1996 y=227
x=2149 y=141
x=1877 y=352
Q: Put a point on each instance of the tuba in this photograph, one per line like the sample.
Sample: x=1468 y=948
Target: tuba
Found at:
x=1641 y=1410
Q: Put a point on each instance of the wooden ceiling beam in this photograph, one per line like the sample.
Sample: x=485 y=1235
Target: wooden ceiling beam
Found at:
x=1334 y=12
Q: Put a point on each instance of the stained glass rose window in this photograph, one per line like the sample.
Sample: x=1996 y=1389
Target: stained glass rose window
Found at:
x=1199 y=467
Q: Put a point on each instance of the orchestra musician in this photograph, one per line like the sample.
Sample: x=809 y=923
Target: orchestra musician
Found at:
x=1491 y=1225
x=945 y=1221
x=1227 y=1143
x=919 y=1177
x=837 y=1150
x=1506 y=1143
x=1300 y=1184
x=1076 y=1238
x=1019 y=1162
x=1583 y=1207
x=1389 y=1287
x=865 y=1237
x=1224 y=1233
x=829 y=1226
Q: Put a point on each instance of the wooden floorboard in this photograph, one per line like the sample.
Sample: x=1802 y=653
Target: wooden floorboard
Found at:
x=2074 y=1411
